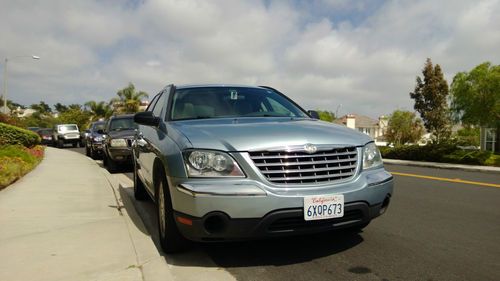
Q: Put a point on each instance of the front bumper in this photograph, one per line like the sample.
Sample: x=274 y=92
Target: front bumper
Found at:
x=97 y=147
x=249 y=208
x=217 y=226
x=120 y=154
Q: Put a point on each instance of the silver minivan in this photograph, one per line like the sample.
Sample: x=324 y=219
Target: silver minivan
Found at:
x=244 y=162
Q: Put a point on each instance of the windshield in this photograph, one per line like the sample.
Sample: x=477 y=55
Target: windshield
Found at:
x=214 y=102
x=98 y=126
x=122 y=124
x=64 y=128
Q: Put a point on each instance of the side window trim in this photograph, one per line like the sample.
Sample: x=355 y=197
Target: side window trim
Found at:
x=152 y=103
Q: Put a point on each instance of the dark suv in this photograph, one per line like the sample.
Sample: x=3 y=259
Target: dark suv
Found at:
x=119 y=134
x=94 y=139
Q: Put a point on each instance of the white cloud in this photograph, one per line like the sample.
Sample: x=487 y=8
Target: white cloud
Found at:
x=364 y=56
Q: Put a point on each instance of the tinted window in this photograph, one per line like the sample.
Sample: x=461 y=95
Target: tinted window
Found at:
x=213 y=102
x=121 y=124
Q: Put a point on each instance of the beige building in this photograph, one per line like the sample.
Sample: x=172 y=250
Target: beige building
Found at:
x=376 y=129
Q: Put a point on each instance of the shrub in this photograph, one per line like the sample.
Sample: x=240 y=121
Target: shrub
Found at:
x=16 y=161
x=14 y=135
x=444 y=152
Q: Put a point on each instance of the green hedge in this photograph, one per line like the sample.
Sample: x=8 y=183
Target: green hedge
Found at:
x=11 y=135
x=444 y=153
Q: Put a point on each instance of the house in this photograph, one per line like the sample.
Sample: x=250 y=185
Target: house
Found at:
x=376 y=129
x=23 y=112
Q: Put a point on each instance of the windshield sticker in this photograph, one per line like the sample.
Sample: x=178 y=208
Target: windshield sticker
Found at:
x=234 y=94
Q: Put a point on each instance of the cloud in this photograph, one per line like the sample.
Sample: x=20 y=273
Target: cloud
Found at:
x=364 y=56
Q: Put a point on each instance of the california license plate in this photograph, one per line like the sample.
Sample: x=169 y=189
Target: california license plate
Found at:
x=323 y=207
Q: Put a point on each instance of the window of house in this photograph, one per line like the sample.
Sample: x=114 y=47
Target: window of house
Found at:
x=490 y=141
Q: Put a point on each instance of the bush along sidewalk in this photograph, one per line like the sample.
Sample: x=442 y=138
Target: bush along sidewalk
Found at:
x=19 y=153
x=441 y=153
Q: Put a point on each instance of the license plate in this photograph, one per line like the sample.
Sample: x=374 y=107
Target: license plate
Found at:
x=323 y=207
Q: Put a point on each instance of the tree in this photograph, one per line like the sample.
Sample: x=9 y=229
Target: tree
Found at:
x=430 y=97
x=98 y=110
x=41 y=107
x=404 y=127
x=60 y=107
x=75 y=116
x=128 y=100
x=326 y=115
x=475 y=97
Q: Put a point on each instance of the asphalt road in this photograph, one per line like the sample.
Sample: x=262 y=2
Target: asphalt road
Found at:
x=433 y=230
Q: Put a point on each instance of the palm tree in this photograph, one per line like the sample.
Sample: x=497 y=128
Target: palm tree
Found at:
x=99 y=110
x=128 y=100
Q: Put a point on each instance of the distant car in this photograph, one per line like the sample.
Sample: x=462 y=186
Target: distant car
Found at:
x=33 y=129
x=66 y=133
x=118 y=137
x=46 y=136
x=94 y=138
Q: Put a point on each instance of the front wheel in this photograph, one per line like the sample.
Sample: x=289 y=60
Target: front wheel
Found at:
x=171 y=240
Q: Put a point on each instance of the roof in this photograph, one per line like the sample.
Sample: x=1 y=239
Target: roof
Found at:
x=214 y=85
x=362 y=121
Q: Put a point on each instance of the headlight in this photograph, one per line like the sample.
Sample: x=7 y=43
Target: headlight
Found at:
x=204 y=163
x=371 y=156
x=98 y=138
x=118 y=142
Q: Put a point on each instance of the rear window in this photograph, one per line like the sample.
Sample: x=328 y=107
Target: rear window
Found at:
x=64 y=128
x=45 y=132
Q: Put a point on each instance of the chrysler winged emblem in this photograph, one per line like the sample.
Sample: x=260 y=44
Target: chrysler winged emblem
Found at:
x=310 y=148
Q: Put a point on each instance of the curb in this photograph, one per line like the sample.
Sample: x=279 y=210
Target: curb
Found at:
x=472 y=168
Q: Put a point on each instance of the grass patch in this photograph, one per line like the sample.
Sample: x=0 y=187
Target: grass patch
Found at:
x=16 y=161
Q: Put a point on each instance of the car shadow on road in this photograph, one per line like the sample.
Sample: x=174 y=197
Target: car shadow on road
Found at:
x=276 y=251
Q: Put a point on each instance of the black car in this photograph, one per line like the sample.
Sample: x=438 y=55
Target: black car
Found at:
x=119 y=134
x=45 y=135
x=94 y=139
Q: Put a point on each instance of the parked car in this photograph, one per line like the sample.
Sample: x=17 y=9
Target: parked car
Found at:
x=119 y=134
x=33 y=129
x=241 y=162
x=93 y=142
x=46 y=136
x=66 y=133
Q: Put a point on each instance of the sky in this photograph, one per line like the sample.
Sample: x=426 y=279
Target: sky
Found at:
x=339 y=55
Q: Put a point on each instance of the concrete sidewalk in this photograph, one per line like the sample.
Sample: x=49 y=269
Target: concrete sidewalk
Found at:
x=63 y=221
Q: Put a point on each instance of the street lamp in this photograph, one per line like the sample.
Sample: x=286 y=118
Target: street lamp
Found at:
x=5 y=78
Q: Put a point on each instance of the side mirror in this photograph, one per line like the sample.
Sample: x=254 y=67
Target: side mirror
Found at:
x=146 y=118
x=313 y=113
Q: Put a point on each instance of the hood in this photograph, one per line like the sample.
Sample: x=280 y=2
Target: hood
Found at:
x=126 y=134
x=246 y=134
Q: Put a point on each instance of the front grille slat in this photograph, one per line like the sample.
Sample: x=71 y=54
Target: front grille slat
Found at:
x=300 y=156
x=285 y=167
x=305 y=163
x=313 y=170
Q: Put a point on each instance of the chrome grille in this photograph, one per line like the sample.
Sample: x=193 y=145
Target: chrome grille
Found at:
x=284 y=167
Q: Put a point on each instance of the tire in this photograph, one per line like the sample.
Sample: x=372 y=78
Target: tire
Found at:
x=171 y=240
x=60 y=143
x=93 y=153
x=111 y=165
x=140 y=193
x=87 y=151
